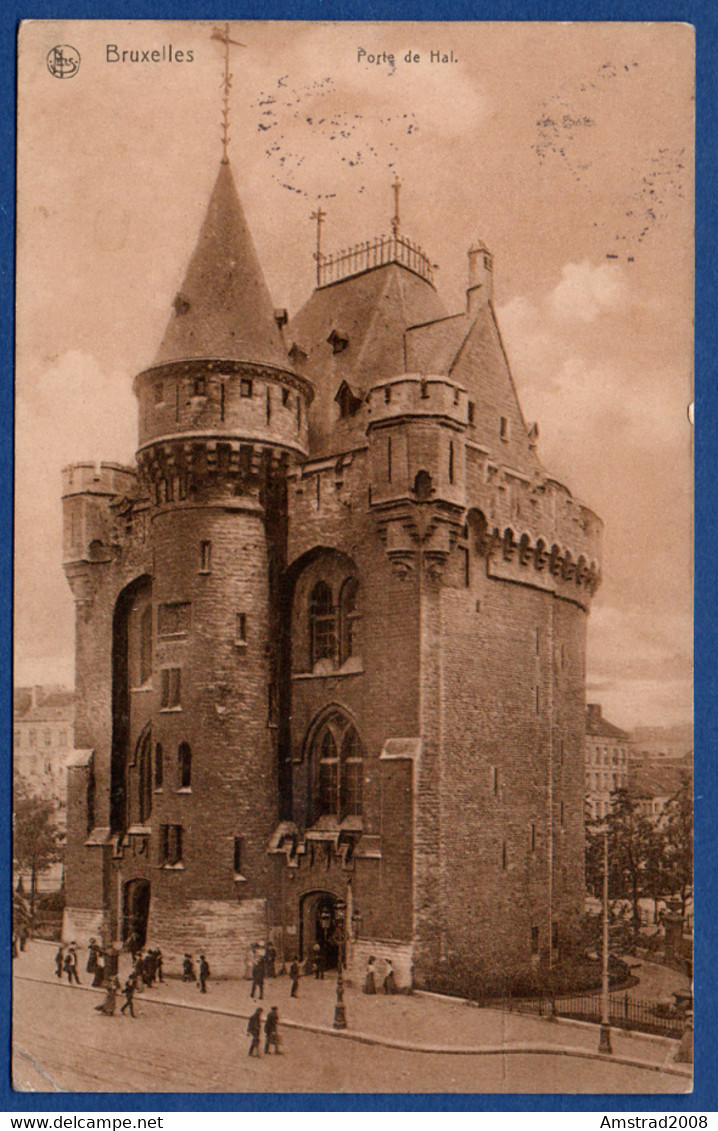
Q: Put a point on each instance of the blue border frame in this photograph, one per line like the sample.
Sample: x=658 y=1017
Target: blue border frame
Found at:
x=703 y=14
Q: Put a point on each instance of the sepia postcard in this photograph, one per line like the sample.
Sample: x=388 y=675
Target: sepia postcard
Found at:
x=353 y=558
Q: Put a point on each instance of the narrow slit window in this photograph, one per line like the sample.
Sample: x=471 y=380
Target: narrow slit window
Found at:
x=184 y=762
x=504 y=428
x=451 y=461
x=388 y=458
x=240 y=630
x=205 y=557
x=238 y=855
x=245 y=387
x=170 y=695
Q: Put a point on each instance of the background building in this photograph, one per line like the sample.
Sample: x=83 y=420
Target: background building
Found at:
x=607 y=761
x=330 y=633
x=44 y=739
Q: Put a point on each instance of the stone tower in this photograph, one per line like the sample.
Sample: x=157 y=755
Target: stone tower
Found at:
x=330 y=633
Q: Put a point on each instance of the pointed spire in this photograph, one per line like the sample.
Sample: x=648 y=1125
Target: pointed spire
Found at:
x=223 y=308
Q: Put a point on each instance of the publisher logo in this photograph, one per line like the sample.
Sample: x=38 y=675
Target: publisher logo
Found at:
x=63 y=61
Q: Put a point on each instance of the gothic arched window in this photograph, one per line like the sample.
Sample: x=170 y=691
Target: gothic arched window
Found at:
x=322 y=624
x=351 y=774
x=184 y=760
x=328 y=799
x=348 y=617
x=337 y=759
x=146 y=644
x=159 y=766
x=145 y=777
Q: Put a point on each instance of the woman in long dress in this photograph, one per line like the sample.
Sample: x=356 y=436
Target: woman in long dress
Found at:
x=369 y=981
x=108 y=1005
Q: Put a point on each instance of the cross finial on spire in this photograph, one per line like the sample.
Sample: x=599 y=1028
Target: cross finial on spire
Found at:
x=319 y=216
x=395 y=221
x=223 y=35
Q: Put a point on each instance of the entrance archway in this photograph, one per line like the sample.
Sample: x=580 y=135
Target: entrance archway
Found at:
x=135 y=910
x=318 y=927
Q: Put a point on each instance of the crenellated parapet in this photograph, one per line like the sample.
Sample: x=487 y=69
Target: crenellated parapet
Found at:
x=429 y=483
x=89 y=526
x=209 y=396
x=416 y=433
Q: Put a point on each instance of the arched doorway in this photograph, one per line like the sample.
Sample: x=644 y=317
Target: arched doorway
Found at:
x=318 y=926
x=135 y=910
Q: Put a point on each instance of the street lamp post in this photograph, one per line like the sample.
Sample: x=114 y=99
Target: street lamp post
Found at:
x=340 y=1015
x=604 y=1044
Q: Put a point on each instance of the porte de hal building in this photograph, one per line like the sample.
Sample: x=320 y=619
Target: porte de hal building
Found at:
x=330 y=630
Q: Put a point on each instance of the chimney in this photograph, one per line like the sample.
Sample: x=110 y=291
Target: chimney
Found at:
x=481 y=277
x=593 y=713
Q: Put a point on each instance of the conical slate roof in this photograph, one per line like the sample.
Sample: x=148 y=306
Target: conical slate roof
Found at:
x=223 y=308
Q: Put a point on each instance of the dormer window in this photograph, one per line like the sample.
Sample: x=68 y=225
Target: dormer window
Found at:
x=297 y=353
x=349 y=403
x=338 y=340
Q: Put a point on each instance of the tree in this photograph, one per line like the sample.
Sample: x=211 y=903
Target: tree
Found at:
x=678 y=834
x=634 y=854
x=35 y=836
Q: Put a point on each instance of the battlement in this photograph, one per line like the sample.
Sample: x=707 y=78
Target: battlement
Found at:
x=227 y=399
x=98 y=479
x=415 y=395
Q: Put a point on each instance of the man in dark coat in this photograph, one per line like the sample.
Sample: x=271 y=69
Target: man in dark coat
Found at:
x=318 y=962
x=71 y=965
x=271 y=1033
x=203 y=974
x=129 y=993
x=188 y=974
x=59 y=961
x=294 y=976
x=270 y=955
x=258 y=977
x=254 y=1029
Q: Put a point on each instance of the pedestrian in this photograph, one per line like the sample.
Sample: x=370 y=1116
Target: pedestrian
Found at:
x=389 y=983
x=23 y=933
x=15 y=951
x=158 y=965
x=271 y=1033
x=188 y=972
x=94 y=950
x=70 y=966
x=294 y=976
x=254 y=1029
x=133 y=945
x=270 y=955
x=318 y=962
x=108 y=1005
x=369 y=978
x=148 y=969
x=129 y=993
x=99 y=972
x=59 y=961
x=203 y=974
x=258 y=977
x=138 y=971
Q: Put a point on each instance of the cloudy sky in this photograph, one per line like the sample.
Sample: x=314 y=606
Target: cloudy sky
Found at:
x=566 y=147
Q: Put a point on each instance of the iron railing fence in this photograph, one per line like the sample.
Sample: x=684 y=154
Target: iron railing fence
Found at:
x=373 y=253
x=624 y=1010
